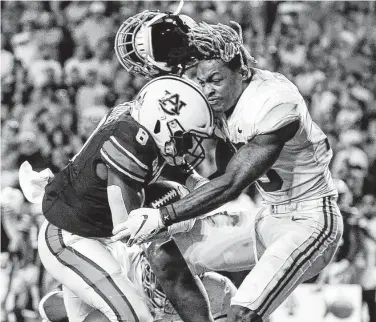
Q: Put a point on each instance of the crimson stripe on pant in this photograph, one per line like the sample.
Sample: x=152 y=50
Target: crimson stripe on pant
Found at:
x=90 y=272
x=301 y=259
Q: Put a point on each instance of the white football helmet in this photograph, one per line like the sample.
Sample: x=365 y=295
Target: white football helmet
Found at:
x=152 y=44
x=177 y=115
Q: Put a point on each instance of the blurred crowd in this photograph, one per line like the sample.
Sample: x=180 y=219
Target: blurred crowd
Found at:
x=59 y=76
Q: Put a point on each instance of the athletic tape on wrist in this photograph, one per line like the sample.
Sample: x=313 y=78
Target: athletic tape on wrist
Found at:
x=168 y=215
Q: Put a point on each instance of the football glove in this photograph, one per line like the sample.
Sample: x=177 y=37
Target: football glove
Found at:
x=142 y=224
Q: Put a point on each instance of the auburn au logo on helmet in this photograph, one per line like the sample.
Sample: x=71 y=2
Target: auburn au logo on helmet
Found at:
x=171 y=103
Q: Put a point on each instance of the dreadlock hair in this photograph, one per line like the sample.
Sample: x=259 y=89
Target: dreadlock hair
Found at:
x=223 y=42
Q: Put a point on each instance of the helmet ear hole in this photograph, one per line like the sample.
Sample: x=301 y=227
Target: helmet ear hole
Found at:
x=157 y=127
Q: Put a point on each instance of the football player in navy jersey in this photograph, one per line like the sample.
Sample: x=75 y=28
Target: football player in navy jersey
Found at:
x=104 y=182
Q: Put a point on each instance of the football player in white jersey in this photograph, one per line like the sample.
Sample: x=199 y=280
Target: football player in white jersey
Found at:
x=278 y=147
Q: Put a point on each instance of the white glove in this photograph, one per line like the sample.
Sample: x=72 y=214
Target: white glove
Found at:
x=33 y=183
x=141 y=225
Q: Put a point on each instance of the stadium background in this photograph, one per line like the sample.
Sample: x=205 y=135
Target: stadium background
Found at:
x=59 y=76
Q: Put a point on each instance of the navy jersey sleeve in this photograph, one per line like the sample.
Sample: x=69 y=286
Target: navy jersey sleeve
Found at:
x=130 y=151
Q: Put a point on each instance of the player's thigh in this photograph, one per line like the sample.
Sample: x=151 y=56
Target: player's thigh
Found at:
x=296 y=248
x=309 y=236
x=221 y=241
x=87 y=268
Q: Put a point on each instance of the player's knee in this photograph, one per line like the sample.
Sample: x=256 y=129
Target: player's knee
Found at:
x=220 y=282
x=220 y=291
x=243 y=314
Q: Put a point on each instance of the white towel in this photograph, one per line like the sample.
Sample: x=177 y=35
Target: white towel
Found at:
x=33 y=183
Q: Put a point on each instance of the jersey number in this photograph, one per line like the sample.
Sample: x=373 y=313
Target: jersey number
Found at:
x=271 y=181
x=142 y=136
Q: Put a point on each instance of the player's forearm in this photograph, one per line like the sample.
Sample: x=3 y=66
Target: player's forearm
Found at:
x=119 y=211
x=122 y=197
x=250 y=163
x=206 y=198
x=210 y=196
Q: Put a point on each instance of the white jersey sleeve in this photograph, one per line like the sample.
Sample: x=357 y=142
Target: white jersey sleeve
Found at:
x=277 y=111
x=265 y=106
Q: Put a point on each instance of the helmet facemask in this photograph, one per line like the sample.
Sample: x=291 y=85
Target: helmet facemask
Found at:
x=184 y=149
x=152 y=44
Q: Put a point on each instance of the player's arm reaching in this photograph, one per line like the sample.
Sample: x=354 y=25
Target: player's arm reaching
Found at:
x=126 y=167
x=245 y=167
x=124 y=194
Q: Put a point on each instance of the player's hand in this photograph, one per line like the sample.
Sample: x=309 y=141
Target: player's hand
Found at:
x=141 y=225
